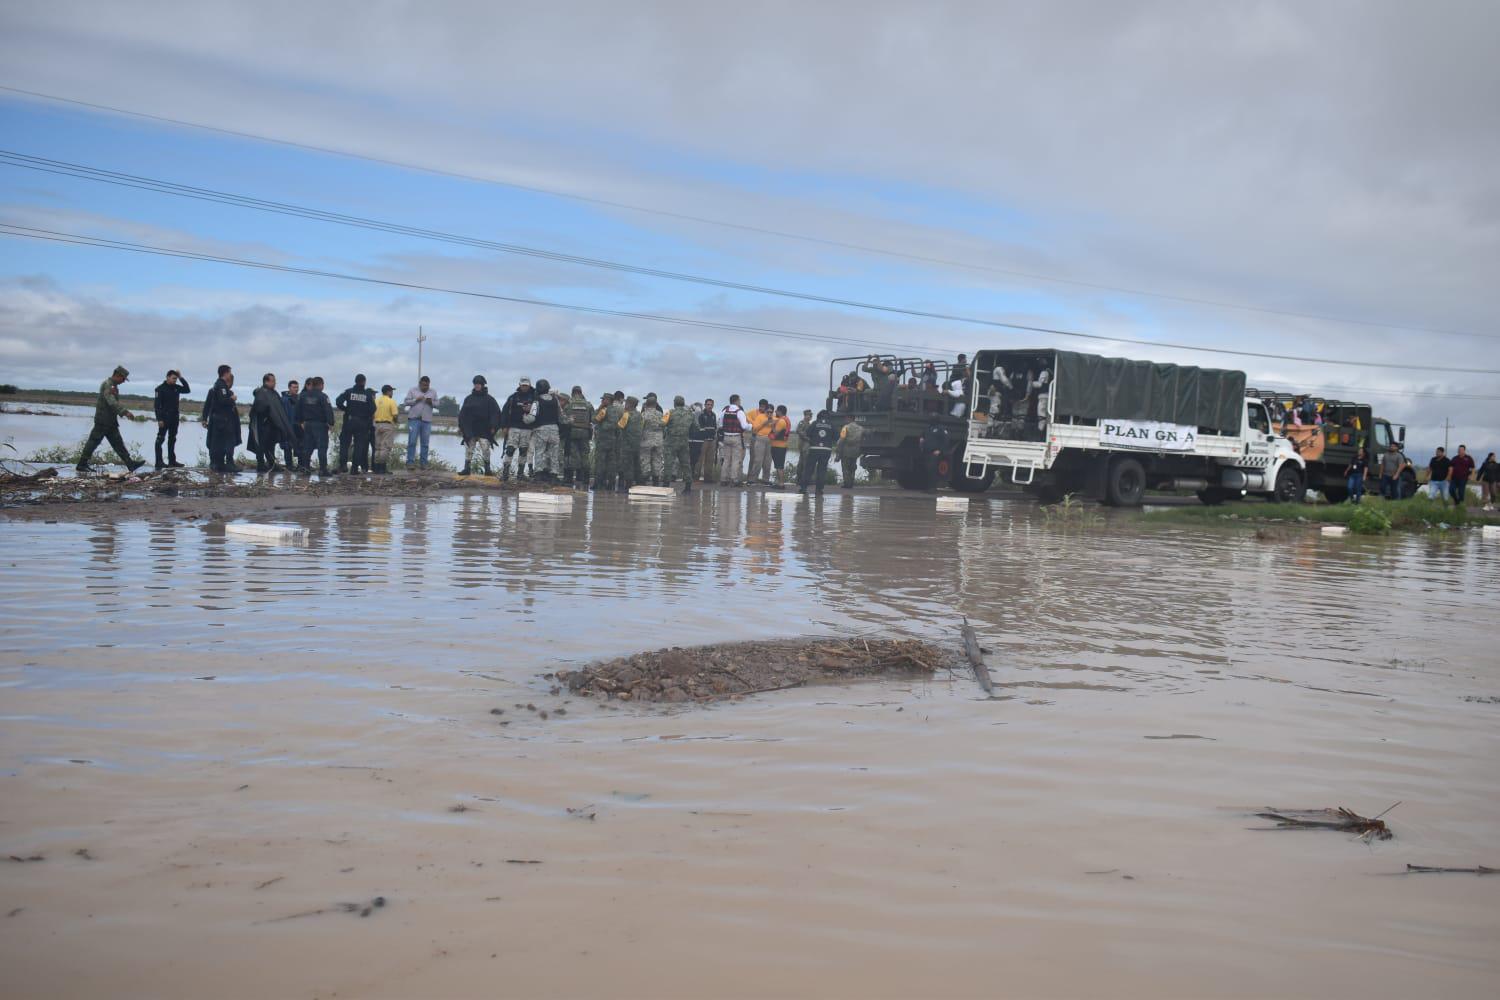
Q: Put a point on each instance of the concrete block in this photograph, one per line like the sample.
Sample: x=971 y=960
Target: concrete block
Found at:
x=266 y=532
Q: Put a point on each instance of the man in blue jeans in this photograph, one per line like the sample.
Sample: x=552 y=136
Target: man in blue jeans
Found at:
x=1390 y=472
x=420 y=404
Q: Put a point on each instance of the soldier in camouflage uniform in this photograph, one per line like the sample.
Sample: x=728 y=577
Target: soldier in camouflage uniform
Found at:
x=607 y=441
x=653 y=441
x=628 y=458
x=578 y=420
x=679 y=454
x=107 y=413
x=848 y=450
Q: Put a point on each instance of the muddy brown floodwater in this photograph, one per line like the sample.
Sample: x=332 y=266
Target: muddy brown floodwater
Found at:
x=336 y=768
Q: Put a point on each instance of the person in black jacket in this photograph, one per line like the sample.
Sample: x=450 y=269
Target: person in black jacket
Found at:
x=478 y=423
x=168 y=415
x=704 y=440
x=315 y=421
x=222 y=418
x=268 y=424
x=357 y=403
x=936 y=441
x=812 y=467
x=517 y=429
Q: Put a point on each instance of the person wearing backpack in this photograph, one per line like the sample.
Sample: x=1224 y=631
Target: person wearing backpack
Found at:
x=732 y=426
x=850 y=436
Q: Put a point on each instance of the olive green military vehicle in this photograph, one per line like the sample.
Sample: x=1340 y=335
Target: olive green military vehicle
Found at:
x=875 y=391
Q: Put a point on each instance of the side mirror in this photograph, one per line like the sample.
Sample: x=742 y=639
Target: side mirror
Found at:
x=1401 y=435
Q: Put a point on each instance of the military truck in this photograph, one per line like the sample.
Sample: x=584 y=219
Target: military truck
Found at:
x=1329 y=447
x=894 y=417
x=1112 y=428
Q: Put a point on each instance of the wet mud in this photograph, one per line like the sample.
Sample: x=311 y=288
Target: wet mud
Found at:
x=705 y=673
x=225 y=750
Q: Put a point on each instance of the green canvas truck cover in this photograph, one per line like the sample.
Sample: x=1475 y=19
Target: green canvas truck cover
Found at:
x=1090 y=386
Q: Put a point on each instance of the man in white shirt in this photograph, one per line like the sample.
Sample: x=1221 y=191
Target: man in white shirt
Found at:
x=733 y=423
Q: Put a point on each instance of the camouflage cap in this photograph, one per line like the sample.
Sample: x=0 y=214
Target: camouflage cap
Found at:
x=122 y=371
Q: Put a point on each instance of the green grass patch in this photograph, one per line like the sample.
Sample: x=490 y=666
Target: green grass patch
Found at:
x=1417 y=514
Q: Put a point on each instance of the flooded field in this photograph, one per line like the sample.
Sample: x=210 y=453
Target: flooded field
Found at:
x=212 y=744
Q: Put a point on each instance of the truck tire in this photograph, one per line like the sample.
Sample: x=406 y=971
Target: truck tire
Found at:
x=961 y=481
x=1406 y=484
x=1335 y=494
x=1288 y=488
x=1125 y=483
x=1212 y=496
x=1047 y=494
x=913 y=479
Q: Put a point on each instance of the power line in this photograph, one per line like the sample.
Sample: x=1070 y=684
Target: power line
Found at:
x=742 y=227
x=11 y=158
x=29 y=232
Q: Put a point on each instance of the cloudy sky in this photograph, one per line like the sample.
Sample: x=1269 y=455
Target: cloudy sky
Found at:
x=1307 y=179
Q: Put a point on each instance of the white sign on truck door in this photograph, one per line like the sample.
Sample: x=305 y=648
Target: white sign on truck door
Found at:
x=1147 y=435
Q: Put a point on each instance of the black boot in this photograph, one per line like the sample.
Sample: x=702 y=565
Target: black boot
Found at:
x=487 y=471
x=159 y=465
x=465 y=470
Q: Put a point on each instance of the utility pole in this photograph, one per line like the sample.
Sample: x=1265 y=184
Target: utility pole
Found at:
x=1446 y=428
x=420 y=341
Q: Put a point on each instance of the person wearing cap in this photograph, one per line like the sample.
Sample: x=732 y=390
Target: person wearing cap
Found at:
x=607 y=440
x=107 y=413
x=421 y=402
x=357 y=403
x=679 y=428
x=802 y=426
x=578 y=415
x=386 y=412
x=517 y=431
x=628 y=458
x=168 y=410
x=221 y=416
x=478 y=423
x=653 y=441
x=543 y=420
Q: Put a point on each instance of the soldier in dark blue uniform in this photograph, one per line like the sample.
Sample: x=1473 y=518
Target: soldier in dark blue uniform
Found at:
x=357 y=403
x=222 y=418
x=314 y=421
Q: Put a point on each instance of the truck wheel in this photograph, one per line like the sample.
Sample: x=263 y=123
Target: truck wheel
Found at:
x=913 y=479
x=1335 y=494
x=1289 y=487
x=1125 y=485
x=1406 y=484
x=1212 y=496
x=961 y=481
x=1047 y=494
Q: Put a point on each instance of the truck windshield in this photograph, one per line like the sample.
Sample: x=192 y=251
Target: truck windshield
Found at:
x=1382 y=436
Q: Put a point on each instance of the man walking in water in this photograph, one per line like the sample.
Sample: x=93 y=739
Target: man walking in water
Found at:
x=107 y=413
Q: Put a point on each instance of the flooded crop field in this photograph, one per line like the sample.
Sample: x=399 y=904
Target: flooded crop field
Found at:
x=234 y=768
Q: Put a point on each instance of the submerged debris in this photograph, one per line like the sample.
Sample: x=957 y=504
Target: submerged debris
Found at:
x=1341 y=819
x=706 y=673
x=1430 y=869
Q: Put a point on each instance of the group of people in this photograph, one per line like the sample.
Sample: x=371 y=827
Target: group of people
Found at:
x=1447 y=478
x=622 y=441
x=616 y=443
